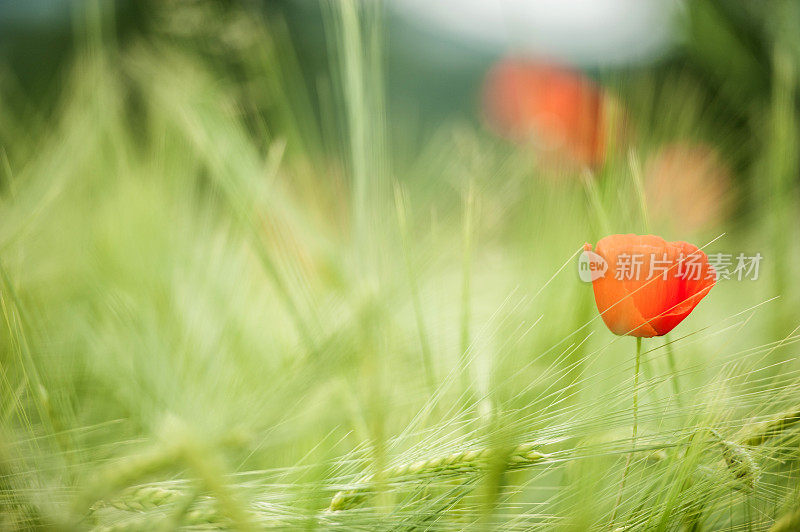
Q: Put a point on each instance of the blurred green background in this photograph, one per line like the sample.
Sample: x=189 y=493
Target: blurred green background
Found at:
x=257 y=254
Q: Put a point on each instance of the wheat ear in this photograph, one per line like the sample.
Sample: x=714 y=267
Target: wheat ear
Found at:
x=740 y=462
x=143 y=498
x=521 y=456
x=204 y=517
x=773 y=428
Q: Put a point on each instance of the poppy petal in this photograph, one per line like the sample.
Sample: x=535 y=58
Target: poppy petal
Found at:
x=651 y=285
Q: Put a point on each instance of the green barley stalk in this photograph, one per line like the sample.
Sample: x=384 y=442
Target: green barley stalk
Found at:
x=143 y=498
x=187 y=509
x=470 y=461
x=402 y=221
x=206 y=517
x=787 y=523
x=593 y=195
x=182 y=448
x=468 y=243
x=738 y=459
x=638 y=183
x=772 y=428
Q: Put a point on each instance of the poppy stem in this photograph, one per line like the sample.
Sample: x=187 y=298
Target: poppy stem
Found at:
x=635 y=429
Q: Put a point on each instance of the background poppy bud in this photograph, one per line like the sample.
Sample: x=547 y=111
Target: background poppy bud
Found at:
x=651 y=285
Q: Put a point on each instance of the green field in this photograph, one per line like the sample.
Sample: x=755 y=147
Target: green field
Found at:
x=235 y=297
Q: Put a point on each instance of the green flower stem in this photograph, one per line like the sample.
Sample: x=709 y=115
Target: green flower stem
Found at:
x=635 y=428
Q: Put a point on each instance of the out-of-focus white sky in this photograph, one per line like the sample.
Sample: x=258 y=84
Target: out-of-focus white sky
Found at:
x=589 y=32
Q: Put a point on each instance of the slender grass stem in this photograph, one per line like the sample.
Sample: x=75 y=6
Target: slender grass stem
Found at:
x=636 y=389
x=673 y=370
x=425 y=350
x=636 y=173
x=596 y=201
x=467 y=244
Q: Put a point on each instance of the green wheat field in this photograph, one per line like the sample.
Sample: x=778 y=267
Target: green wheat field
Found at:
x=236 y=296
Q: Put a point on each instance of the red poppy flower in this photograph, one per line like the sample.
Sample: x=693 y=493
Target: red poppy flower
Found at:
x=680 y=170
x=650 y=285
x=558 y=109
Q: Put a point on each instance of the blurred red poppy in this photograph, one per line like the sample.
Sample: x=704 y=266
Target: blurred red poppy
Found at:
x=682 y=170
x=650 y=285
x=557 y=109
